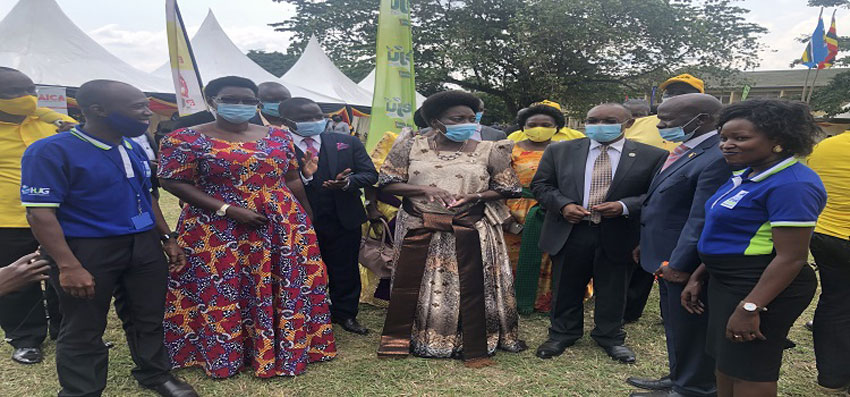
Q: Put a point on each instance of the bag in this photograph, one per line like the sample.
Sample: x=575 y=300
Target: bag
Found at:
x=375 y=254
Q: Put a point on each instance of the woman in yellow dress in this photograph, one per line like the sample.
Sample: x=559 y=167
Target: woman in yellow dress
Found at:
x=532 y=267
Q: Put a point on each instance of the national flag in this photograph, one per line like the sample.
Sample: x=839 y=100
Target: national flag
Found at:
x=831 y=40
x=394 y=97
x=184 y=69
x=816 y=50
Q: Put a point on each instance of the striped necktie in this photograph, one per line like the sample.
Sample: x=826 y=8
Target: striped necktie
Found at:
x=311 y=146
x=599 y=183
x=677 y=153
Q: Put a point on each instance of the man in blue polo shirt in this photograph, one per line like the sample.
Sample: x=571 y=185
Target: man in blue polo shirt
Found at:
x=89 y=203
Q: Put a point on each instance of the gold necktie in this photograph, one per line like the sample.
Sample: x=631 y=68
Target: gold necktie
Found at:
x=599 y=183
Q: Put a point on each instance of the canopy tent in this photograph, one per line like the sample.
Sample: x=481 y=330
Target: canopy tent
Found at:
x=368 y=83
x=217 y=56
x=42 y=42
x=315 y=70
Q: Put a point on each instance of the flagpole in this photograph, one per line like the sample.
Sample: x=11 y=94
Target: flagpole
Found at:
x=803 y=97
x=812 y=88
x=811 y=56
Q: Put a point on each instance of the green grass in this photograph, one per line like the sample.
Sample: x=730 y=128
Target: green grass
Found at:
x=583 y=370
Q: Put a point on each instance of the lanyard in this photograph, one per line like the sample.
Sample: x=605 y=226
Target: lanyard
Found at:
x=121 y=167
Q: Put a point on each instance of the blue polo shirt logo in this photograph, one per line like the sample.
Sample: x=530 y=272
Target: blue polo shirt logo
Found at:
x=35 y=191
x=731 y=202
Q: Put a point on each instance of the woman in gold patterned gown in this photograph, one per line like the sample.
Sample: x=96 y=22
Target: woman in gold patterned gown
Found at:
x=451 y=265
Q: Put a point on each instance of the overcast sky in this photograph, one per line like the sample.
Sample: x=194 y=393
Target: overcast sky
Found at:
x=134 y=30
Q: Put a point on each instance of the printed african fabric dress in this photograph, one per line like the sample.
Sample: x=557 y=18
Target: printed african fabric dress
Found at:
x=249 y=298
x=436 y=330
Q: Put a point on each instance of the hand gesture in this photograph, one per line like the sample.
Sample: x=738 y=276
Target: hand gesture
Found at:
x=440 y=196
x=609 y=209
x=246 y=216
x=76 y=281
x=175 y=254
x=690 y=297
x=340 y=182
x=744 y=326
x=310 y=164
x=28 y=269
x=574 y=213
x=462 y=199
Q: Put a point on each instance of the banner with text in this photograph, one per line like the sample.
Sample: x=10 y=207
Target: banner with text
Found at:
x=53 y=98
x=394 y=97
x=184 y=70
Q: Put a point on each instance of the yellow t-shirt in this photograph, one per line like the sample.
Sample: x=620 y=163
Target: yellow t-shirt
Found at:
x=565 y=134
x=645 y=130
x=831 y=161
x=14 y=139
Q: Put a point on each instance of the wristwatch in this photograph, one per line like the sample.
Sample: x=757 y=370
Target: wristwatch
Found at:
x=169 y=236
x=752 y=307
x=223 y=210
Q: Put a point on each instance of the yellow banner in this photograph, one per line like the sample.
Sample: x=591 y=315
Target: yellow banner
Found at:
x=184 y=70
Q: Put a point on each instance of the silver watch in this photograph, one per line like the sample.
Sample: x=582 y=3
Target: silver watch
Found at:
x=752 y=307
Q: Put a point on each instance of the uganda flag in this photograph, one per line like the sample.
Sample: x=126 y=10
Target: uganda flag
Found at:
x=831 y=39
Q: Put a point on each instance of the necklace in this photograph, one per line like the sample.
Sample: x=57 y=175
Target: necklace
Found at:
x=449 y=156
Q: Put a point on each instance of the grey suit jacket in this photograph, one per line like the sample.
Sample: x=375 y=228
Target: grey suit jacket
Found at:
x=560 y=181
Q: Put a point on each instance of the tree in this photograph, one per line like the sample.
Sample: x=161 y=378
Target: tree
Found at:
x=577 y=52
x=275 y=63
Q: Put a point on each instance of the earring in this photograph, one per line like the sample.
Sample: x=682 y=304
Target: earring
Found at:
x=777 y=149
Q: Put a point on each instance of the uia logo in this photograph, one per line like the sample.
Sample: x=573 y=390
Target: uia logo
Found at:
x=400 y=6
x=397 y=57
x=396 y=109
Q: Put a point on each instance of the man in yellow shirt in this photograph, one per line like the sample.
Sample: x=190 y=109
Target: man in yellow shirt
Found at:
x=564 y=134
x=645 y=130
x=21 y=123
x=830 y=247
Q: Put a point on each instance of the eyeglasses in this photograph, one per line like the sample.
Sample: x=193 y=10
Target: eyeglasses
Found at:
x=235 y=100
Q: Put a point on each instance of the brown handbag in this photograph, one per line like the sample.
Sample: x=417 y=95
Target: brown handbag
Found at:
x=375 y=254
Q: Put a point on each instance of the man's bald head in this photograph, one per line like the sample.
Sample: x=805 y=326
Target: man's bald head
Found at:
x=273 y=92
x=99 y=98
x=610 y=112
x=682 y=109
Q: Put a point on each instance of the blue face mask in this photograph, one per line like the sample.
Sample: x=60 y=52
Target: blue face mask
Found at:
x=311 y=128
x=461 y=132
x=603 y=133
x=678 y=134
x=478 y=116
x=127 y=126
x=271 y=109
x=236 y=113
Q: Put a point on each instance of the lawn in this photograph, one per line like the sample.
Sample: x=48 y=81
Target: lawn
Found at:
x=583 y=370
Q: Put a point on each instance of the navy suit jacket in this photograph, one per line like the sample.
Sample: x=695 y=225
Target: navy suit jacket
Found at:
x=560 y=181
x=674 y=210
x=338 y=152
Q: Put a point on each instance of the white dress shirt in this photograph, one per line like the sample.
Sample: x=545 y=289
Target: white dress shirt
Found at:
x=696 y=141
x=614 y=151
x=143 y=141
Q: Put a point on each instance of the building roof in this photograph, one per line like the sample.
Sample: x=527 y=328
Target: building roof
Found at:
x=772 y=79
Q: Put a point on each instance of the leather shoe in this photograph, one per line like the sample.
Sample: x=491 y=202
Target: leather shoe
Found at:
x=174 y=387
x=552 y=348
x=651 y=384
x=351 y=325
x=27 y=355
x=620 y=353
x=656 y=393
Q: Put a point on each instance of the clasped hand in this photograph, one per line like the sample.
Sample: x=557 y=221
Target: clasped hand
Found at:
x=448 y=200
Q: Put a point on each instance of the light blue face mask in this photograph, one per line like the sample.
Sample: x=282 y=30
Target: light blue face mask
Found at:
x=460 y=132
x=603 y=133
x=236 y=113
x=271 y=109
x=678 y=134
x=479 y=116
x=311 y=128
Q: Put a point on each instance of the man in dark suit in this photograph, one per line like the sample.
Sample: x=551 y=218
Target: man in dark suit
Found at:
x=270 y=94
x=672 y=218
x=592 y=189
x=342 y=167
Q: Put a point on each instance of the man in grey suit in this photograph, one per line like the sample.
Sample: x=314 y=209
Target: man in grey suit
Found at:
x=671 y=223
x=592 y=190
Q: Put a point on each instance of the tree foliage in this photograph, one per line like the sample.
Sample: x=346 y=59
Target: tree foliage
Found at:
x=275 y=63
x=833 y=98
x=577 y=52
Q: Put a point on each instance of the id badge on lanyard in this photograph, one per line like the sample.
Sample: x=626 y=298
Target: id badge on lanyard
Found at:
x=143 y=219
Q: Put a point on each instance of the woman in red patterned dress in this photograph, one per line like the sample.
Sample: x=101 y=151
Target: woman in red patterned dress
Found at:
x=254 y=293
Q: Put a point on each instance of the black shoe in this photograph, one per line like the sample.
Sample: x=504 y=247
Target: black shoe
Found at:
x=174 y=387
x=656 y=393
x=553 y=348
x=351 y=325
x=620 y=353
x=27 y=355
x=519 y=347
x=651 y=384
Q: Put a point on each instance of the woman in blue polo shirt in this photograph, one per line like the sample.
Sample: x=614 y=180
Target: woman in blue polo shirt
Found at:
x=754 y=245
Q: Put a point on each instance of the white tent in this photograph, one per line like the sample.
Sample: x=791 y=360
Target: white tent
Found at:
x=368 y=83
x=314 y=70
x=42 y=42
x=217 y=56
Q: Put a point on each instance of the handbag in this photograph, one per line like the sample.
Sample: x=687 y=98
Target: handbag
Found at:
x=376 y=254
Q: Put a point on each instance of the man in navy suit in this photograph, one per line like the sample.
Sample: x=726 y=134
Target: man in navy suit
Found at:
x=342 y=168
x=672 y=218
